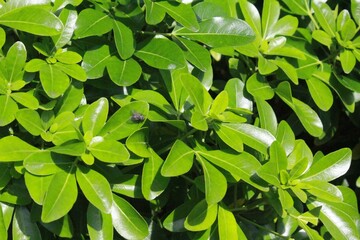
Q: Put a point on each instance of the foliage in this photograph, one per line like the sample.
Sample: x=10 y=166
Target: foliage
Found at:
x=171 y=120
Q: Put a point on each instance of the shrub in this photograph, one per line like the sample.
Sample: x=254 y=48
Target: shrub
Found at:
x=171 y=120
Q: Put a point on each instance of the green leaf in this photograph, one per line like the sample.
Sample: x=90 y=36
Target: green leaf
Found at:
x=322 y=37
x=300 y=151
x=72 y=149
x=344 y=227
x=322 y=190
x=219 y=104
x=95 y=61
x=14 y=149
x=355 y=11
x=127 y=221
x=278 y=156
x=207 y=10
x=270 y=16
x=197 y=92
x=220 y=32
x=268 y=120
x=347 y=60
x=3 y=228
x=27 y=99
x=124 y=73
x=284 y=26
x=68 y=17
x=237 y=95
x=215 y=182
x=258 y=86
x=32 y=19
x=120 y=125
x=156 y=99
x=288 y=69
x=108 y=150
x=137 y=143
x=5 y=176
x=182 y=13
x=174 y=222
x=161 y=53
x=124 y=39
x=95 y=116
x=320 y=93
x=201 y=217
x=23 y=227
x=128 y=185
x=30 y=120
x=227 y=224
x=15 y=62
x=254 y=137
x=198 y=121
x=329 y=167
x=196 y=54
x=8 y=109
x=325 y=17
x=71 y=99
x=37 y=186
x=46 y=163
x=54 y=81
x=2 y=39
x=62 y=227
x=154 y=13
x=92 y=23
x=95 y=188
x=241 y=166
x=348 y=30
x=152 y=182
x=99 y=224
x=179 y=160
x=266 y=66
x=252 y=16
x=60 y=197
x=73 y=70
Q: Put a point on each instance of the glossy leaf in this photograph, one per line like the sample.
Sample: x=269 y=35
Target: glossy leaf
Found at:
x=73 y=70
x=220 y=32
x=138 y=143
x=320 y=93
x=124 y=73
x=46 y=163
x=30 y=120
x=322 y=190
x=227 y=224
x=347 y=60
x=325 y=17
x=95 y=61
x=196 y=54
x=23 y=227
x=37 y=186
x=100 y=23
x=95 y=116
x=197 y=92
x=32 y=19
x=68 y=17
x=121 y=124
x=152 y=182
x=161 y=53
x=237 y=95
x=215 y=182
x=179 y=160
x=99 y=224
x=26 y=99
x=108 y=150
x=174 y=222
x=252 y=16
x=8 y=109
x=156 y=99
x=124 y=39
x=259 y=87
x=252 y=136
x=60 y=197
x=154 y=13
x=330 y=166
x=241 y=166
x=270 y=16
x=14 y=149
x=54 y=81
x=127 y=221
x=268 y=119
x=182 y=13
x=201 y=217
x=355 y=11
x=128 y=185
x=95 y=188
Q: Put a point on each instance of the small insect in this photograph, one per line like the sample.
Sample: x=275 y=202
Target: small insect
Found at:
x=137 y=117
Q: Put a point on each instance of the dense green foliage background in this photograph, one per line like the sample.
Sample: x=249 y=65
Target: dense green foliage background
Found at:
x=213 y=119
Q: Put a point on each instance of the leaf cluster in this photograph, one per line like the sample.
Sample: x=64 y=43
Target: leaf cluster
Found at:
x=172 y=120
